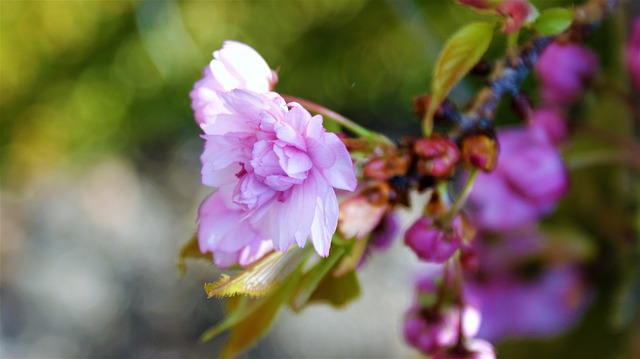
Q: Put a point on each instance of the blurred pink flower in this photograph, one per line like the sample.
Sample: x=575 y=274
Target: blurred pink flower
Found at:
x=276 y=168
x=565 y=70
x=550 y=124
x=433 y=330
x=633 y=53
x=544 y=305
x=527 y=183
x=433 y=244
x=519 y=292
x=235 y=66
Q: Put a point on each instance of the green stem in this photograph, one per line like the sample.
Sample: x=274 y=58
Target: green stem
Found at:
x=462 y=197
x=352 y=126
x=427 y=121
x=602 y=158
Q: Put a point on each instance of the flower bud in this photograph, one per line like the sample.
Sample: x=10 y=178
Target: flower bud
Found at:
x=433 y=244
x=361 y=213
x=515 y=13
x=437 y=156
x=480 y=151
x=383 y=168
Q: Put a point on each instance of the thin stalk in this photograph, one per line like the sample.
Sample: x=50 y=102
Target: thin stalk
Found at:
x=602 y=158
x=347 y=123
x=462 y=197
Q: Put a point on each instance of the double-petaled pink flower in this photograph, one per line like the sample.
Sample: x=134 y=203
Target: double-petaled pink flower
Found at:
x=273 y=163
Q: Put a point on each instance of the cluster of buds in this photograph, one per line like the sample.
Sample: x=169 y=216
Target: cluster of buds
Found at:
x=441 y=327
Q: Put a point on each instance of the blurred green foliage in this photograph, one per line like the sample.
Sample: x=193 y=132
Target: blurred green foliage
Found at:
x=83 y=79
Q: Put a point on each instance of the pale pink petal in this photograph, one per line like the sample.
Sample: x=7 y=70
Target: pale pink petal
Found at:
x=251 y=193
x=341 y=174
x=220 y=228
x=245 y=65
x=325 y=219
x=253 y=252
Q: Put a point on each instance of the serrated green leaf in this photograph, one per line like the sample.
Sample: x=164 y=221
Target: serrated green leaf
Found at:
x=190 y=250
x=337 y=291
x=553 y=21
x=460 y=53
x=311 y=279
x=258 y=279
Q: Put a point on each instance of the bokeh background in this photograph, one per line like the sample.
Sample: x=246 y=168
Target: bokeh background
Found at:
x=100 y=169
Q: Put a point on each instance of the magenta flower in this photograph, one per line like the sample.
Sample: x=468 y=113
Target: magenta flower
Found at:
x=433 y=330
x=529 y=307
x=633 y=53
x=276 y=168
x=521 y=294
x=235 y=66
x=433 y=244
x=564 y=70
x=473 y=348
x=550 y=124
x=527 y=183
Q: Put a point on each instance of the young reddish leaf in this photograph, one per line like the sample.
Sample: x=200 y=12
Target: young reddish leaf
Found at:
x=337 y=291
x=460 y=53
x=258 y=279
x=190 y=250
x=553 y=21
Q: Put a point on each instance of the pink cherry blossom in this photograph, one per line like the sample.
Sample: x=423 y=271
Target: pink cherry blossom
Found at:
x=235 y=66
x=276 y=168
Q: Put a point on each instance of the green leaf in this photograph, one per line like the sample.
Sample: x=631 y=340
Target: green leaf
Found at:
x=460 y=53
x=337 y=291
x=314 y=276
x=190 y=249
x=261 y=314
x=351 y=260
x=258 y=279
x=553 y=21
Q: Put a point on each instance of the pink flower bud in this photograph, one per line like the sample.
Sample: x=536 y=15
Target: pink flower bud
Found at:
x=515 y=13
x=435 y=330
x=433 y=244
x=359 y=217
x=564 y=71
x=633 y=53
x=437 y=156
x=480 y=151
x=429 y=332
